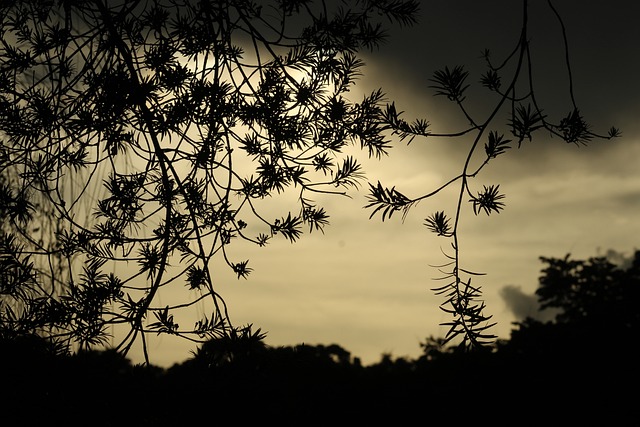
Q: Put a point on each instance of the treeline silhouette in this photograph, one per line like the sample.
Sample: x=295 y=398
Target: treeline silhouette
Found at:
x=579 y=368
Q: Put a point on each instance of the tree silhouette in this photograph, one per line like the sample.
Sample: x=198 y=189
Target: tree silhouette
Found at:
x=511 y=91
x=141 y=139
x=582 y=364
x=594 y=298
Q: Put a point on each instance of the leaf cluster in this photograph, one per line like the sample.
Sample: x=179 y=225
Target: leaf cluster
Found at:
x=151 y=132
x=488 y=200
x=386 y=200
x=451 y=83
x=462 y=301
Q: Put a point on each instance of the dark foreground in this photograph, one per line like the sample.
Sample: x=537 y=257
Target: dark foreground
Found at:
x=321 y=386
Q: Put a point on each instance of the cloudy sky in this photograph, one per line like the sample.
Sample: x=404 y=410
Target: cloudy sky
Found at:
x=364 y=284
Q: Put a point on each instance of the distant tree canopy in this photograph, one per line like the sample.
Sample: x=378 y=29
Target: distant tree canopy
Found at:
x=592 y=323
x=140 y=138
x=595 y=301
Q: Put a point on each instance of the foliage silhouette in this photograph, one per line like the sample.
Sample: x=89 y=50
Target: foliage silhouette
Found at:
x=594 y=297
x=151 y=134
x=512 y=91
x=140 y=140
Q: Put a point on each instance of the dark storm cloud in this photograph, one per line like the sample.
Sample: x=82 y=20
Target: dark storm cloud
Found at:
x=602 y=45
x=520 y=304
x=523 y=305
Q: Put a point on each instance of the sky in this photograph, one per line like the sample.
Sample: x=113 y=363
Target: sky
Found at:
x=366 y=285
